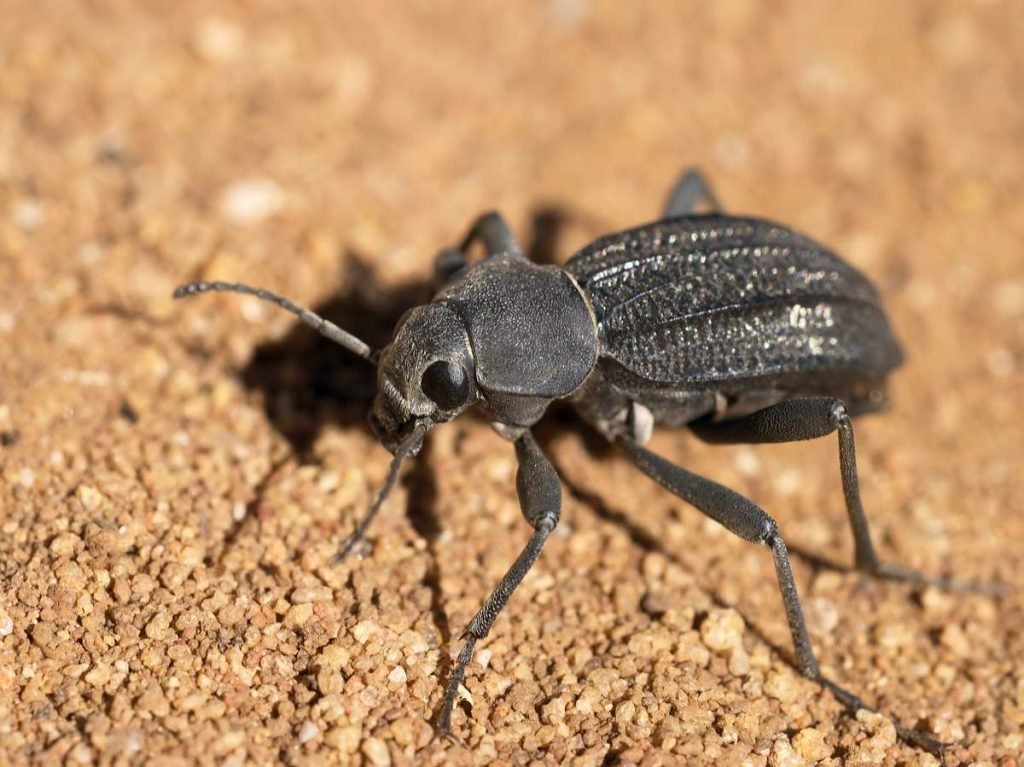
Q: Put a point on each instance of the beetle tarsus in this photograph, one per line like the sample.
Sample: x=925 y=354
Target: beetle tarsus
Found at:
x=854 y=704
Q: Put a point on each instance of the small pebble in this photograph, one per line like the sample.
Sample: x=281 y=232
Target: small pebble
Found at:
x=308 y=732
x=780 y=685
x=376 y=751
x=250 y=201
x=722 y=630
x=810 y=743
x=65 y=544
x=218 y=40
x=27 y=215
x=158 y=627
x=397 y=676
x=90 y=497
x=747 y=463
x=783 y=755
x=298 y=615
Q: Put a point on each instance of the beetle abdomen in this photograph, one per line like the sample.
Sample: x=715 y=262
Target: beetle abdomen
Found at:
x=706 y=299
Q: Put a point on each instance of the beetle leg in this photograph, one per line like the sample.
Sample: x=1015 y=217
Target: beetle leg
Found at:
x=447 y=263
x=805 y=418
x=747 y=520
x=492 y=231
x=540 y=498
x=690 y=191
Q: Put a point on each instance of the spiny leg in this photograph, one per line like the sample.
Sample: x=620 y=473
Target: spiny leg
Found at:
x=540 y=498
x=492 y=231
x=806 y=418
x=747 y=520
x=690 y=191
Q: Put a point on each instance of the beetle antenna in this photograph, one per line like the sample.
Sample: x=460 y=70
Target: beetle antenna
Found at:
x=408 y=446
x=324 y=327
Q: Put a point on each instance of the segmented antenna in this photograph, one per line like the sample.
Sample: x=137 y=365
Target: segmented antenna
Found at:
x=408 y=445
x=324 y=327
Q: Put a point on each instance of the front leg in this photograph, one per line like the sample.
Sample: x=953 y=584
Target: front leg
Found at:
x=540 y=498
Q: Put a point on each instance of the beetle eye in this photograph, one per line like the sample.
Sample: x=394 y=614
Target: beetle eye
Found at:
x=446 y=384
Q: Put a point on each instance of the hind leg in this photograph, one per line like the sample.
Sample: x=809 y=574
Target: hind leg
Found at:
x=748 y=521
x=805 y=418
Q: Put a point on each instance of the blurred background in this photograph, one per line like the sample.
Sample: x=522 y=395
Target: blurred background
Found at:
x=327 y=150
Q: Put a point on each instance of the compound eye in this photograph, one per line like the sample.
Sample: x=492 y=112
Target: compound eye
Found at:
x=446 y=384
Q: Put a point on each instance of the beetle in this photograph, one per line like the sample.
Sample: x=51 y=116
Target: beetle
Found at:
x=741 y=329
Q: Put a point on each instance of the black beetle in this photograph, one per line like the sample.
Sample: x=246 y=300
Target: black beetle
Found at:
x=739 y=328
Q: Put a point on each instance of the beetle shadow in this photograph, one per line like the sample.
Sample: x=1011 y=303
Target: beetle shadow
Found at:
x=308 y=382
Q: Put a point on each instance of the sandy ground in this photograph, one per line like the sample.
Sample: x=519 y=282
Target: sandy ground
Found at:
x=176 y=477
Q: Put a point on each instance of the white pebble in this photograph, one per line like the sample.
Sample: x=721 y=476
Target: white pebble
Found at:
x=1000 y=362
x=569 y=13
x=483 y=657
x=747 y=463
x=732 y=150
x=308 y=732
x=6 y=626
x=789 y=481
x=250 y=201
x=219 y=40
x=27 y=214
x=238 y=511
x=1008 y=298
x=397 y=675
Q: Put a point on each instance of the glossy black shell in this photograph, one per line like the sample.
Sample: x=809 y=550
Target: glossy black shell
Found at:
x=729 y=303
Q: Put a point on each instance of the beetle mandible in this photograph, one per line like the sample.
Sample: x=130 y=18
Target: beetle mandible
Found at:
x=738 y=328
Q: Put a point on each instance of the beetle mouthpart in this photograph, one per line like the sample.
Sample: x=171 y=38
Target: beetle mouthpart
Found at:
x=326 y=328
x=409 y=446
x=413 y=443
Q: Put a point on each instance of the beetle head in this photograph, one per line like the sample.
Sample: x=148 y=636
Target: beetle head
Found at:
x=425 y=376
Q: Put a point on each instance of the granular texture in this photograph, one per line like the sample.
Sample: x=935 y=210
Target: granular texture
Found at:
x=176 y=477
